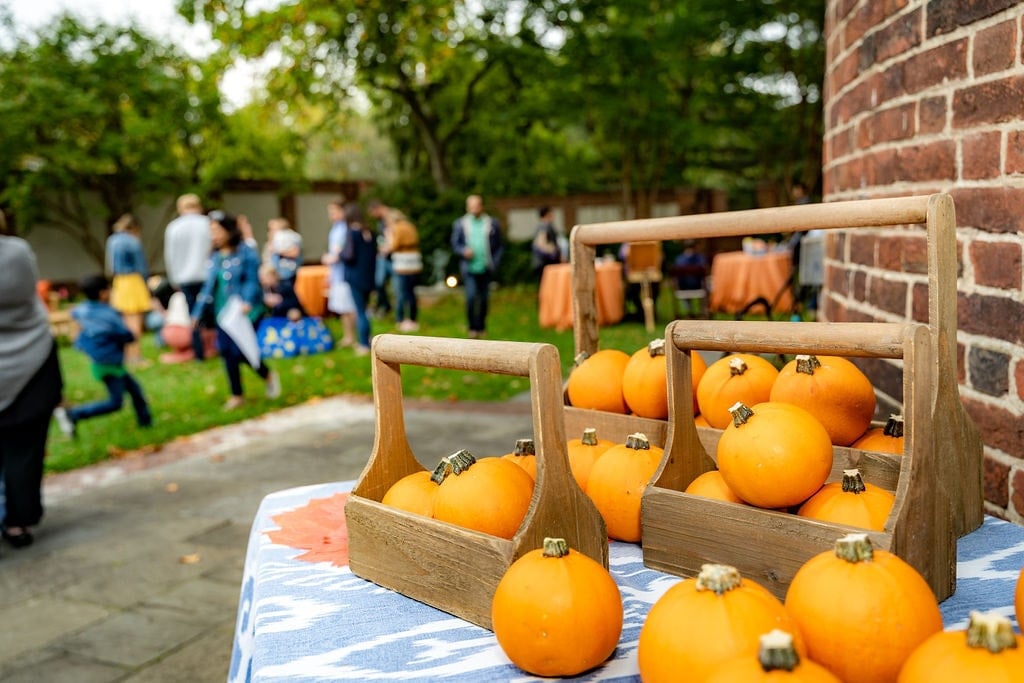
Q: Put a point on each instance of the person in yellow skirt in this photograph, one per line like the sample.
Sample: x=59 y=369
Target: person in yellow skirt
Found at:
x=129 y=295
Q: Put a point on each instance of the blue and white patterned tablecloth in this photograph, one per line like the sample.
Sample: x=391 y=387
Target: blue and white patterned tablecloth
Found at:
x=315 y=621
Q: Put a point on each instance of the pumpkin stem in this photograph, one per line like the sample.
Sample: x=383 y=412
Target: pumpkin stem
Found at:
x=853 y=482
x=740 y=413
x=656 y=348
x=525 y=447
x=776 y=651
x=555 y=547
x=855 y=548
x=719 y=578
x=806 y=364
x=893 y=426
x=580 y=357
x=589 y=437
x=456 y=463
x=991 y=631
x=638 y=441
x=737 y=366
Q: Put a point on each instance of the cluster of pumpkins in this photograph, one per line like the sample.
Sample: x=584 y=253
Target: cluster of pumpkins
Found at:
x=854 y=614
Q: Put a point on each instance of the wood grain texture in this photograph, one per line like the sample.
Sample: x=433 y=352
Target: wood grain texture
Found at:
x=437 y=563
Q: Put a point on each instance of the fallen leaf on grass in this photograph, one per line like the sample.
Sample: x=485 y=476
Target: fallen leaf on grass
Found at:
x=189 y=559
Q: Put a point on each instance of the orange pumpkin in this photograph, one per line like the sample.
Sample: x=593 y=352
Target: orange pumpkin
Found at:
x=851 y=502
x=491 y=495
x=832 y=389
x=413 y=493
x=776 y=660
x=584 y=452
x=645 y=382
x=617 y=482
x=887 y=439
x=699 y=624
x=988 y=650
x=774 y=455
x=862 y=611
x=1018 y=598
x=595 y=382
x=743 y=377
x=700 y=421
x=711 y=485
x=698 y=366
x=556 y=612
x=524 y=455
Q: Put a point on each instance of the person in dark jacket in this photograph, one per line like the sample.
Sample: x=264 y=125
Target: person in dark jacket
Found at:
x=103 y=336
x=478 y=243
x=360 y=258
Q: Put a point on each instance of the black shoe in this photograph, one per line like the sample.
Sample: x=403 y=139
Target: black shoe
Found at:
x=22 y=540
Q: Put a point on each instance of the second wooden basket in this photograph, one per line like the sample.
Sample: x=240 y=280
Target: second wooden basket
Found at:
x=448 y=567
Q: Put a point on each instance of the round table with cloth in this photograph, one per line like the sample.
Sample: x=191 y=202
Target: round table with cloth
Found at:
x=739 y=278
x=284 y=338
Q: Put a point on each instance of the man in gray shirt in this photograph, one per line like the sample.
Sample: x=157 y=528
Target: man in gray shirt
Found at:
x=186 y=251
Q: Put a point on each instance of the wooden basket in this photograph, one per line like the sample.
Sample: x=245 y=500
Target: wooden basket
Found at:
x=681 y=532
x=954 y=435
x=449 y=567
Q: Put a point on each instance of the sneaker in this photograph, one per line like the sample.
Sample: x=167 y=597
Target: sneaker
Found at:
x=408 y=326
x=64 y=421
x=362 y=350
x=234 y=402
x=273 y=384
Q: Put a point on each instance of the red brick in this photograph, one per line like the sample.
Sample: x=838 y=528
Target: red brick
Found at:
x=945 y=16
x=882 y=167
x=887 y=125
x=854 y=101
x=995 y=48
x=996 y=478
x=1001 y=428
x=862 y=247
x=931 y=115
x=996 y=264
x=997 y=317
x=843 y=73
x=842 y=143
x=1014 y=152
x=919 y=302
x=934 y=66
x=889 y=295
x=896 y=38
x=858 y=289
x=862 y=21
x=992 y=102
x=931 y=161
x=981 y=155
x=993 y=209
x=961 y=364
x=1018 y=374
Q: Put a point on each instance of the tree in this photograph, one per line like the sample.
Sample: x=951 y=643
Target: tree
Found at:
x=98 y=120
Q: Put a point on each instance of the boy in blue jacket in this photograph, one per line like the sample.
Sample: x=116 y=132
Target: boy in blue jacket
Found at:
x=103 y=336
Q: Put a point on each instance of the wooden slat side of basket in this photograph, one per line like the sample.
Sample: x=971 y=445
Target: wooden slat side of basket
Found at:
x=681 y=531
x=959 y=443
x=440 y=564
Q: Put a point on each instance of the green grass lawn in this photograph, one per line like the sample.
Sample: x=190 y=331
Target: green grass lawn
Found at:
x=188 y=398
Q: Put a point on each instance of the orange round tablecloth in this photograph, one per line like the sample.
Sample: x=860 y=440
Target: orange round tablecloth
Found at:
x=311 y=288
x=738 y=278
x=555 y=295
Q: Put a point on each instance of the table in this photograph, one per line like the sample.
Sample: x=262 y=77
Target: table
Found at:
x=303 y=616
x=738 y=278
x=311 y=288
x=555 y=294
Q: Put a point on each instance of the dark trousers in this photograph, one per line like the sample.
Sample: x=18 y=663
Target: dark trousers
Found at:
x=233 y=359
x=478 y=291
x=405 y=307
x=362 y=300
x=116 y=388
x=191 y=291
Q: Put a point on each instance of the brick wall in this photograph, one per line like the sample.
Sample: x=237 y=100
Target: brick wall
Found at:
x=926 y=96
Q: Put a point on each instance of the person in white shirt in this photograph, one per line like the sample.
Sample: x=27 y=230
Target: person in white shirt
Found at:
x=186 y=252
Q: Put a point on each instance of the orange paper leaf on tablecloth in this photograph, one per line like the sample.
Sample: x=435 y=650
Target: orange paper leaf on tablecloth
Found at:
x=318 y=528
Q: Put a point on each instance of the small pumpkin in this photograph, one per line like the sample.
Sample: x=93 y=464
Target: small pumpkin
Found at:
x=711 y=485
x=743 y=377
x=1018 y=598
x=700 y=421
x=774 y=455
x=851 y=502
x=887 y=439
x=776 y=660
x=988 y=650
x=617 y=482
x=491 y=495
x=699 y=624
x=832 y=389
x=595 y=382
x=584 y=452
x=556 y=612
x=525 y=455
x=645 y=382
x=413 y=493
x=862 y=611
